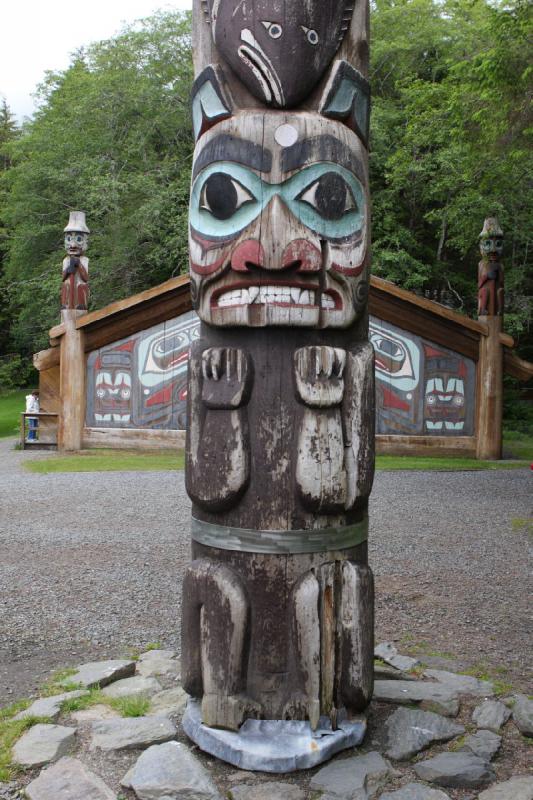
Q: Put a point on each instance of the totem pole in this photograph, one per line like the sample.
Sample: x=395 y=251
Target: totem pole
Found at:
x=490 y=270
x=490 y=311
x=75 y=288
x=278 y=602
x=74 y=301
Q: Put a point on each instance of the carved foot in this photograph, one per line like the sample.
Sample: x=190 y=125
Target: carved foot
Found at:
x=227 y=378
x=228 y=711
x=302 y=708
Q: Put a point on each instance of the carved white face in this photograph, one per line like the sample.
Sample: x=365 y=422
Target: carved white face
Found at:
x=76 y=243
x=279 y=222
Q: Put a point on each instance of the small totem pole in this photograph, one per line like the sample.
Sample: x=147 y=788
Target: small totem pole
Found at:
x=278 y=602
x=490 y=270
x=490 y=311
x=75 y=288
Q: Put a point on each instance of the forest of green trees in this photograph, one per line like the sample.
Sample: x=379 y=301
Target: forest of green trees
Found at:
x=451 y=114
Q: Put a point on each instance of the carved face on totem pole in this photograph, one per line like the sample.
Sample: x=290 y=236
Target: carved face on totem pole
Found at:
x=279 y=50
x=279 y=222
x=491 y=240
x=76 y=243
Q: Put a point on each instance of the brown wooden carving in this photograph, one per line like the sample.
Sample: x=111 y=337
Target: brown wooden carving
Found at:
x=75 y=286
x=490 y=270
x=278 y=602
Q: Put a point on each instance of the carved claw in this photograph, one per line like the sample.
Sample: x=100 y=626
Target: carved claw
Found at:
x=227 y=377
x=319 y=375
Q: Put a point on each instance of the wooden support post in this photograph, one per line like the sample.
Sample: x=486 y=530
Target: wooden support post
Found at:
x=72 y=385
x=490 y=366
x=490 y=404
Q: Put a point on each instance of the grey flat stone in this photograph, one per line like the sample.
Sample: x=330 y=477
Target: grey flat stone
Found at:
x=484 y=744
x=523 y=714
x=151 y=654
x=365 y=773
x=42 y=744
x=69 y=779
x=462 y=684
x=170 y=772
x=131 y=733
x=409 y=732
x=133 y=687
x=431 y=696
x=518 y=788
x=99 y=711
x=457 y=770
x=159 y=666
x=273 y=745
x=388 y=653
x=415 y=791
x=383 y=672
x=49 y=706
x=267 y=791
x=171 y=702
x=491 y=715
x=101 y=673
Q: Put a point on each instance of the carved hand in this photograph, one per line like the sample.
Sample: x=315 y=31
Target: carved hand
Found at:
x=226 y=377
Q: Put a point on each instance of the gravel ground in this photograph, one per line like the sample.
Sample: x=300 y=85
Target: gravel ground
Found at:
x=91 y=565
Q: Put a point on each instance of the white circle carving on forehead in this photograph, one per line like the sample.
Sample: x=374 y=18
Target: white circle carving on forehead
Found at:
x=286 y=135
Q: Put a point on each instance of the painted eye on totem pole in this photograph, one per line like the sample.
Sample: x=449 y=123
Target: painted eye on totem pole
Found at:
x=310 y=35
x=223 y=196
x=331 y=196
x=274 y=29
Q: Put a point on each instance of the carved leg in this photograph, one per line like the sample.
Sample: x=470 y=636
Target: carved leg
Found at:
x=359 y=422
x=306 y=632
x=356 y=627
x=216 y=615
x=320 y=473
x=218 y=447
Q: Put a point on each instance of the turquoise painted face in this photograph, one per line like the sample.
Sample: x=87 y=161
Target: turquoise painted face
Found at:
x=226 y=198
x=279 y=222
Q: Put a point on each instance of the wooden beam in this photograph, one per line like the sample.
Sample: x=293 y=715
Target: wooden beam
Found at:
x=46 y=359
x=72 y=385
x=133 y=439
x=427 y=445
x=517 y=367
x=490 y=395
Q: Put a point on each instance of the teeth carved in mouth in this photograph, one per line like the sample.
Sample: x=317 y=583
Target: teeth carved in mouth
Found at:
x=260 y=295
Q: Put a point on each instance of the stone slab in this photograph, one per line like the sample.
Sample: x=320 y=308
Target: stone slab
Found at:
x=99 y=711
x=267 y=791
x=462 y=684
x=409 y=732
x=523 y=714
x=69 y=779
x=153 y=667
x=388 y=653
x=49 y=706
x=415 y=791
x=431 y=696
x=367 y=773
x=149 y=655
x=42 y=744
x=169 y=771
x=456 y=770
x=133 y=687
x=491 y=715
x=102 y=673
x=517 y=788
x=131 y=733
x=171 y=702
x=484 y=744
x=272 y=745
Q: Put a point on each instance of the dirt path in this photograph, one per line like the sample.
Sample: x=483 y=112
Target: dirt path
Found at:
x=91 y=565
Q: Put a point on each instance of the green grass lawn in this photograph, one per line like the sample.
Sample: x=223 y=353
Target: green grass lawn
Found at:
x=109 y=461
x=124 y=460
x=12 y=405
x=518 y=445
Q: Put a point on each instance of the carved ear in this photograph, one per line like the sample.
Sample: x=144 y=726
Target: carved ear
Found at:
x=209 y=102
x=347 y=98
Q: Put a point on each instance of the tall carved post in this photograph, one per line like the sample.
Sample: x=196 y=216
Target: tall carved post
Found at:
x=490 y=311
x=74 y=300
x=278 y=602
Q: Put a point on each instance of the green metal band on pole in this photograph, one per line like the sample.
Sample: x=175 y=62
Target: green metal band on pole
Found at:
x=279 y=542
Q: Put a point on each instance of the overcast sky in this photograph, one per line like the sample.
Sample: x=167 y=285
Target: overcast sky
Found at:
x=38 y=35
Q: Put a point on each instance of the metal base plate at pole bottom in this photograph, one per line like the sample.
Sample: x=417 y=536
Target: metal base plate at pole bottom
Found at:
x=273 y=745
